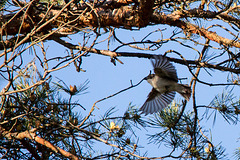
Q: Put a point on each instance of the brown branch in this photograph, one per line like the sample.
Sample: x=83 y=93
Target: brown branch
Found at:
x=145 y=12
x=32 y=136
x=125 y=16
x=113 y=4
x=193 y=84
x=173 y=20
x=17 y=22
x=24 y=89
x=144 y=55
x=199 y=13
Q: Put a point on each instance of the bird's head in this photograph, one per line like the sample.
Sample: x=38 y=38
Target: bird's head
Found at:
x=150 y=76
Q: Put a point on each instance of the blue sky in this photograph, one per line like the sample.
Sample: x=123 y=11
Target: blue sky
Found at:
x=106 y=79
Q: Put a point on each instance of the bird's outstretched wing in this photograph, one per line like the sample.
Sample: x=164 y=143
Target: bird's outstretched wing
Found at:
x=163 y=68
x=156 y=101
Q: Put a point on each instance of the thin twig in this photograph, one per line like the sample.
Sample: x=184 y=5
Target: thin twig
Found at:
x=94 y=105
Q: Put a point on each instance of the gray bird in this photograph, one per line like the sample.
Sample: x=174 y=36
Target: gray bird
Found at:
x=165 y=85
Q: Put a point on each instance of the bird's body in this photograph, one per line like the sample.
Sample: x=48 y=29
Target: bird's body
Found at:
x=165 y=85
x=162 y=85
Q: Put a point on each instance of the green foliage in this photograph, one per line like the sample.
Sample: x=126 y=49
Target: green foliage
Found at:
x=72 y=90
x=227 y=105
x=40 y=107
x=183 y=134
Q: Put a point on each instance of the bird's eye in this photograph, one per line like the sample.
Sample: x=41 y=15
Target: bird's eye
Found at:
x=151 y=75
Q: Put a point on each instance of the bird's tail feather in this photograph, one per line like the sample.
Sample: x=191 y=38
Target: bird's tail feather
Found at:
x=185 y=91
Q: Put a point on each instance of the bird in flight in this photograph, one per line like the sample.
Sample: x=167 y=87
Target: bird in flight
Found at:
x=165 y=85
